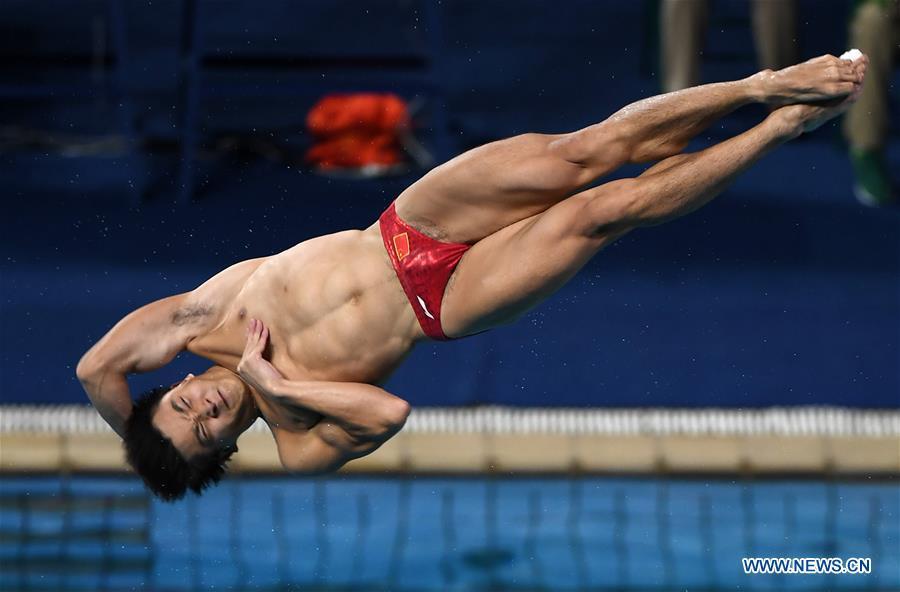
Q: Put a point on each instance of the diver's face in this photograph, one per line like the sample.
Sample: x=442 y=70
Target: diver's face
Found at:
x=205 y=413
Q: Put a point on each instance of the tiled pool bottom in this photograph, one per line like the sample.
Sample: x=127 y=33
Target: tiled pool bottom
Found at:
x=425 y=533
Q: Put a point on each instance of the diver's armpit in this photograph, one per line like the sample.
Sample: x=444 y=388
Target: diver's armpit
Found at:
x=191 y=313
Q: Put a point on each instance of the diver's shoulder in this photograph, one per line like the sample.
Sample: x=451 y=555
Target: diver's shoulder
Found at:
x=218 y=291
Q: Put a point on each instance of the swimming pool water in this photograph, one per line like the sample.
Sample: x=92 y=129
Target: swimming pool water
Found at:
x=426 y=533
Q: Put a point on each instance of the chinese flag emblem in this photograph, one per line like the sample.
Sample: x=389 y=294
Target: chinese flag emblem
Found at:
x=401 y=245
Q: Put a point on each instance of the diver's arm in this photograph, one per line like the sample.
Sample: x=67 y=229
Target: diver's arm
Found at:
x=364 y=412
x=324 y=448
x=145 y=340
x=109 y=394
x=355 y=422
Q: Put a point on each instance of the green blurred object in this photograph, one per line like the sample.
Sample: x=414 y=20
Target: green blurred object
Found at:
x=858 y=3
x=873 y=184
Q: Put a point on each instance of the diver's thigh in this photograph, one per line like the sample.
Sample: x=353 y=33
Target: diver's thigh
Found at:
x=489 y=188
x=511 y=271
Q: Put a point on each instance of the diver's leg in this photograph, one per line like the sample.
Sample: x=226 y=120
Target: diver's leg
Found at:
x=511 y=271
x=495 y=185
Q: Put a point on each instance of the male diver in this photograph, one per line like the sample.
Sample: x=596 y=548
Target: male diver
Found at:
x=303 y=338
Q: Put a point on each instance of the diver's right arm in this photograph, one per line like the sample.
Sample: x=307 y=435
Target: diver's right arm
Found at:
x=145 y=340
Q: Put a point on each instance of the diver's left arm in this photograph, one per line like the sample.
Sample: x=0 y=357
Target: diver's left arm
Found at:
x=366 y=413
x=324 y=448
x=356 y=420
x=363 y=411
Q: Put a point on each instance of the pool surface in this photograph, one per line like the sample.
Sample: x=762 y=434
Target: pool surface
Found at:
x=426 y=533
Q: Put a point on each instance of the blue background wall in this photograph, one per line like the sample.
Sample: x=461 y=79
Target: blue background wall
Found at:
x=784 y=291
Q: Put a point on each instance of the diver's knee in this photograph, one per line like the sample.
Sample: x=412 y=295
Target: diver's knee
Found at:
x=597 y=149
x=610 y=208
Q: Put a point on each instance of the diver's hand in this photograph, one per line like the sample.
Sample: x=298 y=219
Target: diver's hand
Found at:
x=253 y=367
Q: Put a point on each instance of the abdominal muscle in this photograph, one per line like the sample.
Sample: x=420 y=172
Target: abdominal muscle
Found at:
x=333 y=305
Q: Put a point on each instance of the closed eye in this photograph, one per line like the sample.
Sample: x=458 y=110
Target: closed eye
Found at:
x=199 y=430
x=202 y=436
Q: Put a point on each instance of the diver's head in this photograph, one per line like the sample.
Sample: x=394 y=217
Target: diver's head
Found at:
x=180 y=438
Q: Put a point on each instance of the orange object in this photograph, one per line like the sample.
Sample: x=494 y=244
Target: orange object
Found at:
x=357 y=130
x=355 y=150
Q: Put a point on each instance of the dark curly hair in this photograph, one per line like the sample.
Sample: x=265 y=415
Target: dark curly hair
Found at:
x=153 y=456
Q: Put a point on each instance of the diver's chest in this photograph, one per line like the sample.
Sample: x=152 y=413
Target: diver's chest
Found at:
x=326 y=301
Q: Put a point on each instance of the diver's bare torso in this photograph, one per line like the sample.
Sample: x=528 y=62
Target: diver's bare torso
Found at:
x=334 y=305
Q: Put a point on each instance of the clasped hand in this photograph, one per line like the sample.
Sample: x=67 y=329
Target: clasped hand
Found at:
x=257 y=371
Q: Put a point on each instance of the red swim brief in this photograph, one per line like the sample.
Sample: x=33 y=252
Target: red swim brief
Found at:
x=423 y=265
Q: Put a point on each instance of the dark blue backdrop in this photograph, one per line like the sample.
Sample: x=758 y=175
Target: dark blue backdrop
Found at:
x=784 y=291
